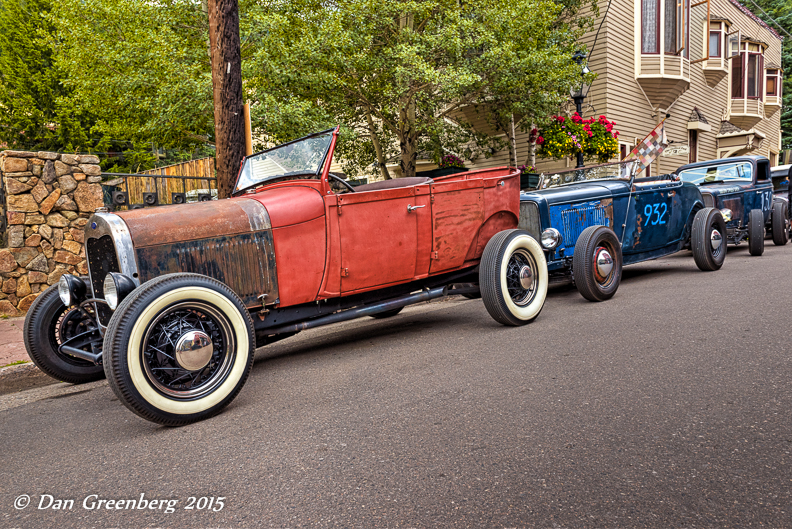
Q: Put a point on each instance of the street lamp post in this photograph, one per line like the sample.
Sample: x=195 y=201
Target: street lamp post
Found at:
x=580 y=93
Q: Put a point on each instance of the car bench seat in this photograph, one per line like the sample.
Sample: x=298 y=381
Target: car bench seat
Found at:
x=394 y=183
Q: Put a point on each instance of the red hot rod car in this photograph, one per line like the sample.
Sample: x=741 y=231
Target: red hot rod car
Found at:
x=178 y=297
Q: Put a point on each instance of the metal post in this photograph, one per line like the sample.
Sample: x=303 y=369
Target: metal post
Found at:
x=579 y=107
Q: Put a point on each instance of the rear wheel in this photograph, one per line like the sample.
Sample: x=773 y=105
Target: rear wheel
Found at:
x=179 y=349
x=708 y=239
x=48 y=324
x=780 y=224
x=513 y=277
x=756 y=232
x=597 y=263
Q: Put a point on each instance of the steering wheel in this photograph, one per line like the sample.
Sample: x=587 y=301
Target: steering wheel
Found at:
x=342 y=182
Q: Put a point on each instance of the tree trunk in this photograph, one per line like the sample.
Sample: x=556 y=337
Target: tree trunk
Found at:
x=512 y=136
x=381 y=161
x=227 y=88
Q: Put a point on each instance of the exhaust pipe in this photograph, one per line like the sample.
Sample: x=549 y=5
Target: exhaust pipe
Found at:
x=369 y=310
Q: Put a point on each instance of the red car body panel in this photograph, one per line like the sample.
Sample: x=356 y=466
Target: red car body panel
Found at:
x=329 y=245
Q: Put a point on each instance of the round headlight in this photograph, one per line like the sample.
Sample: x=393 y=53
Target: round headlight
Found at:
x=116 y=288
x=110 y=292
x=64 y=291
x=727 y=214
x=551 y=238
x=71 y=289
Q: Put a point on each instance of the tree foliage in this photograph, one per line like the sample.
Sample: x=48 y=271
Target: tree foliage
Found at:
x=142 y=68
x=398 y=74
x=35 y=108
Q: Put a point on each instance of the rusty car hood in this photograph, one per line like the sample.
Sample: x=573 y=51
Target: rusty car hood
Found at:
x=194 y=221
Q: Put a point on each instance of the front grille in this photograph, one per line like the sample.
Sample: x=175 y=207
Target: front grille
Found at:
x=529 y=219
x=578 y=219
x=709 y=201
x=102 y=259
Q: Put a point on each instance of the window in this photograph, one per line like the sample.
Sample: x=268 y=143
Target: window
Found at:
x=748 y=74
x=650 y=26
x=676 y=23
x=754 y=72
x=715 y=44
x=737 y=77
x=772 y=82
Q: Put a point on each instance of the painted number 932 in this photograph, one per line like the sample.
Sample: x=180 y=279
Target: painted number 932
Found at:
x=655 y=213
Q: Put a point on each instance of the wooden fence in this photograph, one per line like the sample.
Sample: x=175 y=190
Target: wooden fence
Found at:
x=195 y=175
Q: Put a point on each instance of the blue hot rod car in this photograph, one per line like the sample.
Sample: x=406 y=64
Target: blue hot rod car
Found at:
x=742 y=189
x=782 y=192
x=593 y=220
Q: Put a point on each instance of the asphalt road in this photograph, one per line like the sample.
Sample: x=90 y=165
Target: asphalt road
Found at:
x=667 y=406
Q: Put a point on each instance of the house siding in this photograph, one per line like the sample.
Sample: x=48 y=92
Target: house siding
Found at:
x=617 y=94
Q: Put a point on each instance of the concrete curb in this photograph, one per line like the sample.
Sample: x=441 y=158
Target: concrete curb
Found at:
x=20 y=377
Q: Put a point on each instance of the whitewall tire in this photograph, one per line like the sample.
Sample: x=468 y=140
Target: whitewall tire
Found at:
x=179 y=348
x=513 y=277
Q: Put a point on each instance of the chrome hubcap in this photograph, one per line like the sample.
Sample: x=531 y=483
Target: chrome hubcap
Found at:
x=716 y=240
x=604 y=262
x=526 y=277
x=194 y=350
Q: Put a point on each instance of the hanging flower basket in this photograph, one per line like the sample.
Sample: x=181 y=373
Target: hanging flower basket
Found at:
x=595 y=138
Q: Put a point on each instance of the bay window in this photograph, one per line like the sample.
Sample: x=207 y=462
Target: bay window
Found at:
x=675 y=23
x=748 y=73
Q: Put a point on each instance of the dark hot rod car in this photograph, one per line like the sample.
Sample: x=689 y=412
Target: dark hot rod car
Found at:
x=178 y=297
x=742 y=189
x=593 y=220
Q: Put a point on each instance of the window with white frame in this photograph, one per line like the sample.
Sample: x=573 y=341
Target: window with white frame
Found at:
x=673 y=33
x=773 y=82
x=748 y=72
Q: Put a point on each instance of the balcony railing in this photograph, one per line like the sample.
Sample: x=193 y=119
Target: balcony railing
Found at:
x=663 y=77
x=746 y=112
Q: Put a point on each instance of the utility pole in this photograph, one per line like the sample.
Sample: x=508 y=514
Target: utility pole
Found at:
x=227 y=90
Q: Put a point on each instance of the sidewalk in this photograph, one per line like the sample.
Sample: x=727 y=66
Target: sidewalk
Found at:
x=12 y=349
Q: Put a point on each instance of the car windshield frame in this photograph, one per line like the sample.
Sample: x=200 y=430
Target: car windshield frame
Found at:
x=623 y=171
x=308 y=158
x=699 y=175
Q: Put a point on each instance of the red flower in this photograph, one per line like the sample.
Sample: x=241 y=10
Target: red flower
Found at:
x=560 y=119
x=616 y=134
x=540 y=140
x=590 y=133
x=576 y=118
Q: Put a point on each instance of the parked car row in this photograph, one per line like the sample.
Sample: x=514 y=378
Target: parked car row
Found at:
x=178 y=298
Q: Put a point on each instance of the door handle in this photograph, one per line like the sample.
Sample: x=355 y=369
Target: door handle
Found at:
x=413 y=208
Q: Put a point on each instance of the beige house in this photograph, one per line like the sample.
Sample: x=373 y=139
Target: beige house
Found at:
x=713 y=66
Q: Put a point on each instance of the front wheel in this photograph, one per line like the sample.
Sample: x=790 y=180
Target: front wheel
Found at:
x=756 y=232
x=48 y=324
x=179 y=349
x=513 y=277
x=780 y=224
x=597 y=263
x=708 y=239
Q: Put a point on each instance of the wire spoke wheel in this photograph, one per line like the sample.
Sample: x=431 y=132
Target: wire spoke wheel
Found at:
x=74 y=321
x=522 y=277
x=188 y=350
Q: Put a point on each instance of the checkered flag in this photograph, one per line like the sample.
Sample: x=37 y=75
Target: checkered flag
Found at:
x=650 y=148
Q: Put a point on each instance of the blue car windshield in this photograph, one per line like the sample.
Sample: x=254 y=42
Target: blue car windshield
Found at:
x=727 y=172
x=302 y=158
x=609 y=171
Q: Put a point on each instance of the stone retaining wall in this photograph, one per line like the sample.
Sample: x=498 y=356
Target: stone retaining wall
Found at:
x=48 y=199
